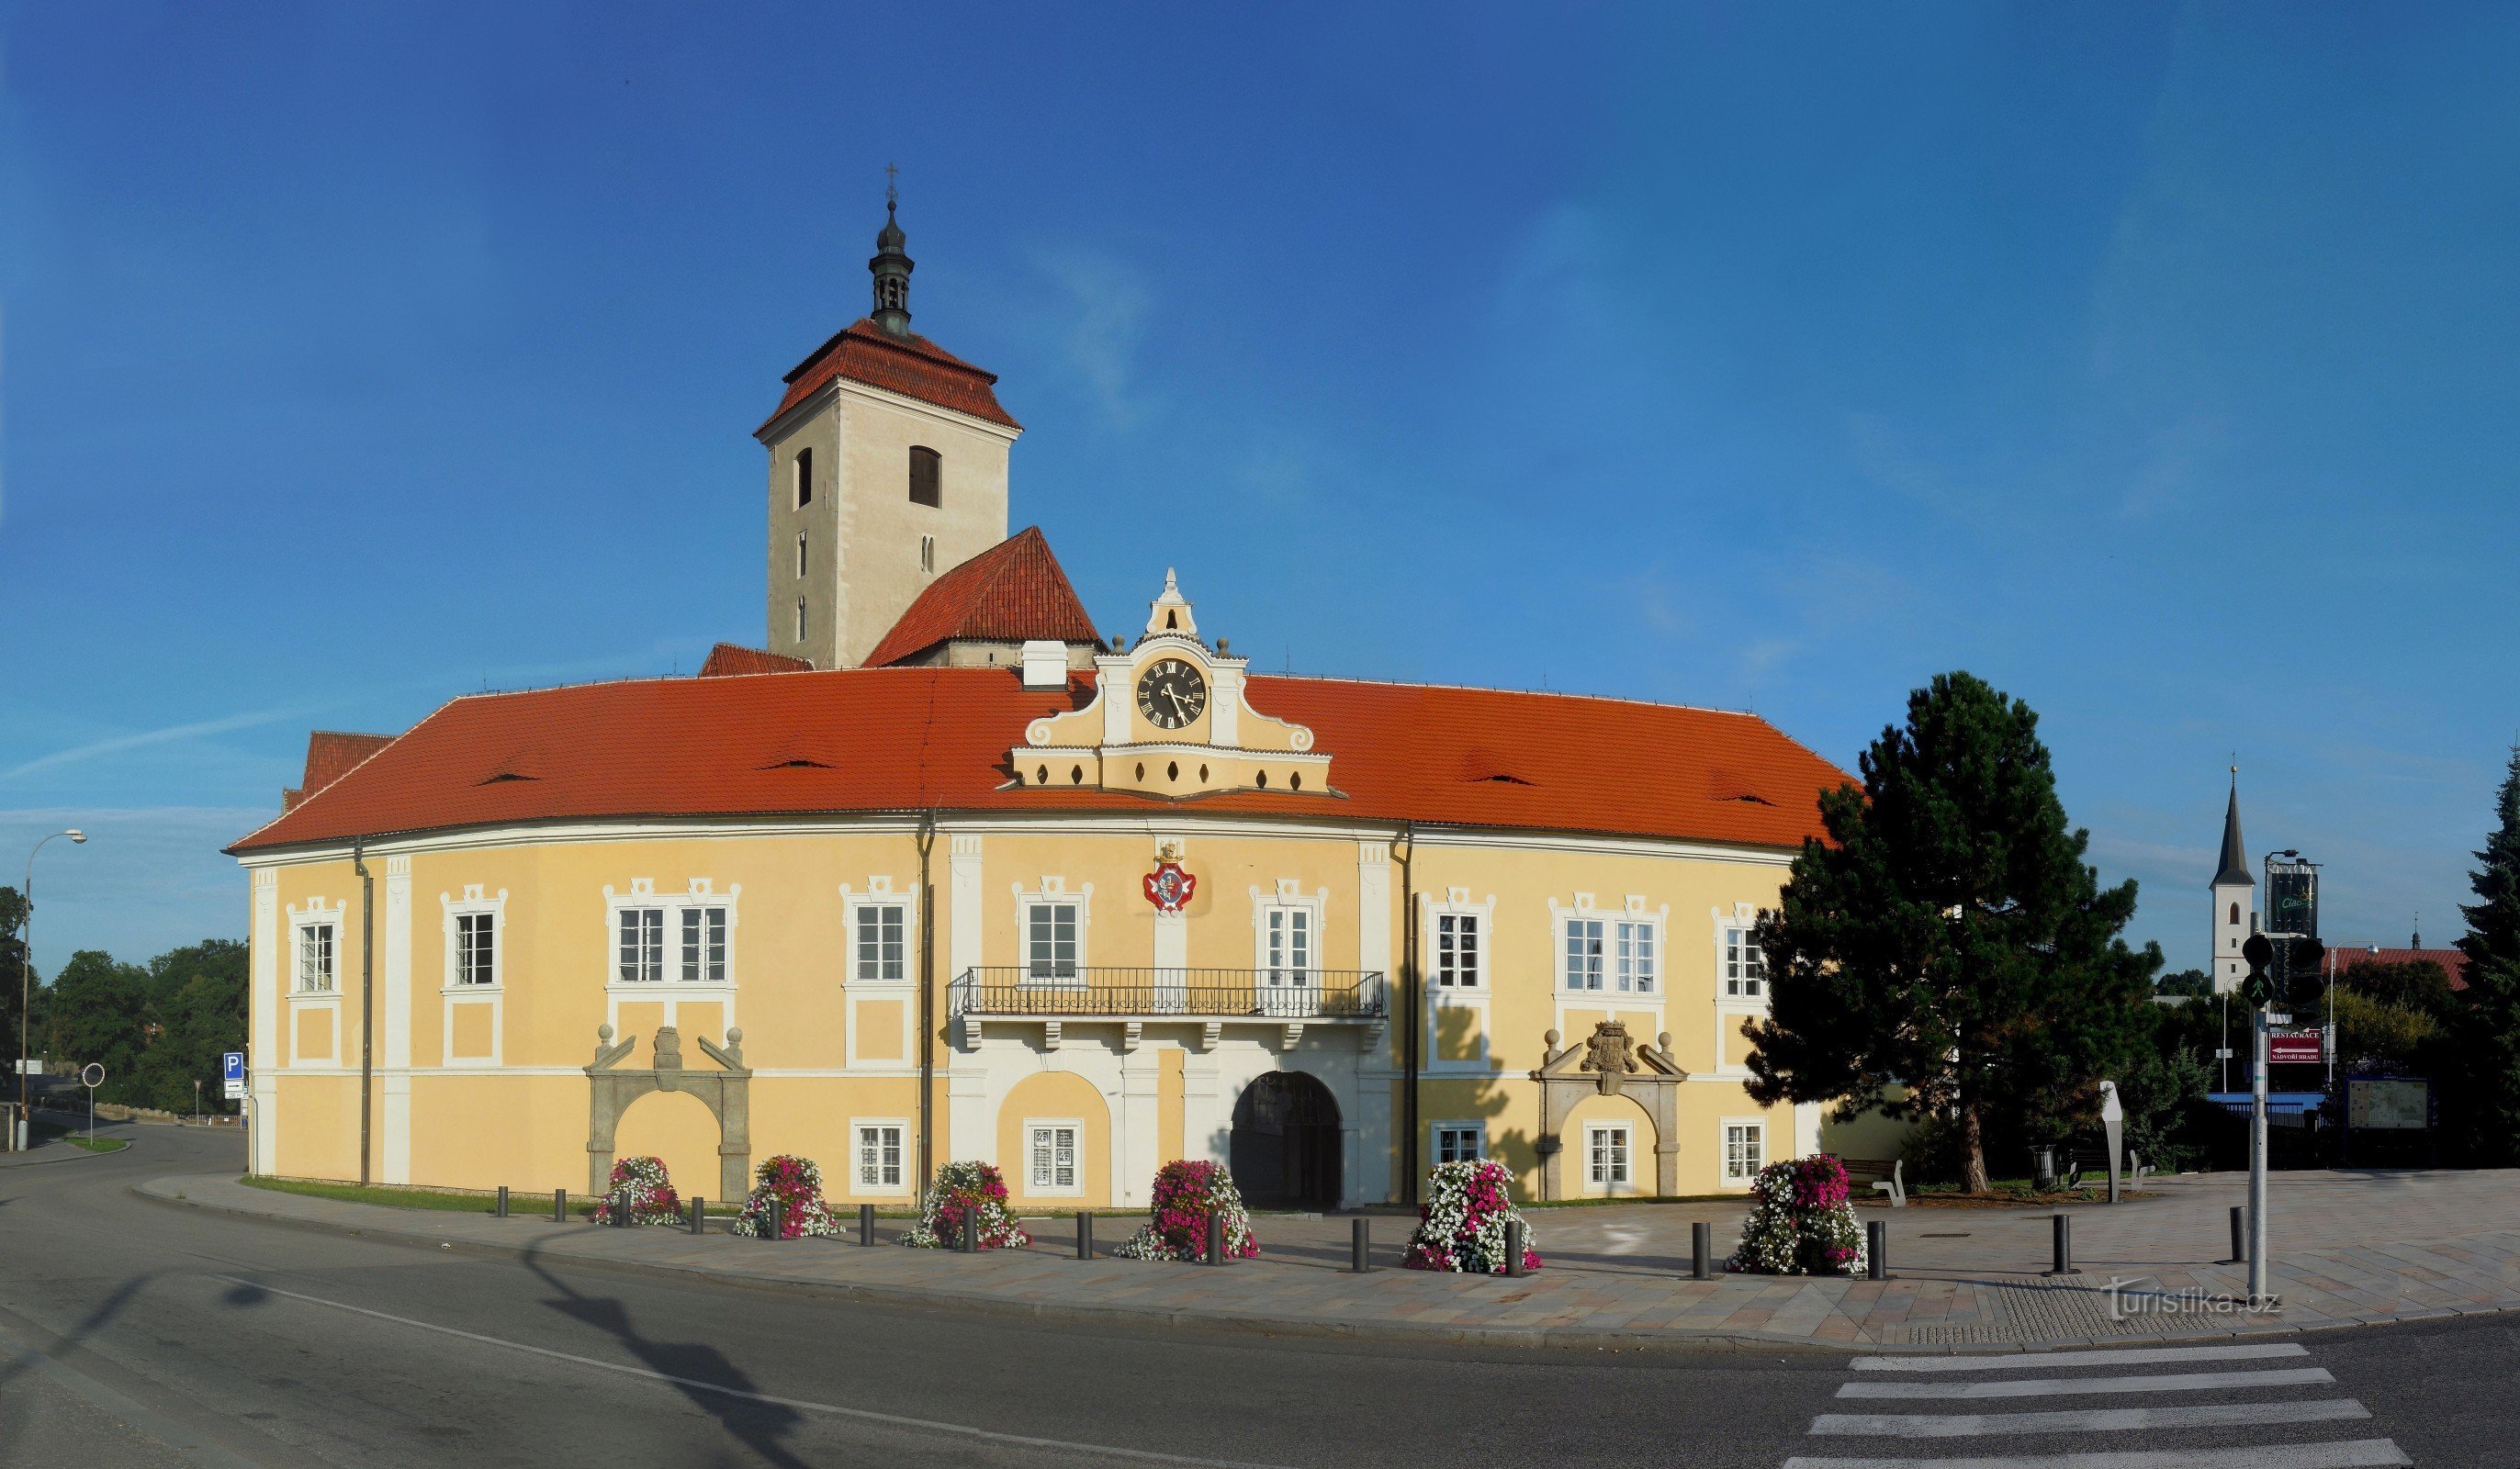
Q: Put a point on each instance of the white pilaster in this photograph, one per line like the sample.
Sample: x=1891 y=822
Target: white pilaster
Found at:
x=1374 y=907
x=394 y=1081
x=264 y=1058
x=970 y=1133
x=1205 y=1124
x=962 y=880
x=1134 y=1142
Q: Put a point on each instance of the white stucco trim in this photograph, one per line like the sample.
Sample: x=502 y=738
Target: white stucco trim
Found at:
x=672 y=991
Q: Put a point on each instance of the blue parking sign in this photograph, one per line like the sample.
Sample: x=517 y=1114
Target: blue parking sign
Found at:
x=232 y=1066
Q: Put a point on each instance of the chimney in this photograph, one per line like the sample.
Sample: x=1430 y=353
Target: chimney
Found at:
x=1045 y=663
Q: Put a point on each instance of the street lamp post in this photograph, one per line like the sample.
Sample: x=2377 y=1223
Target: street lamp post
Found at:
x=26 y=985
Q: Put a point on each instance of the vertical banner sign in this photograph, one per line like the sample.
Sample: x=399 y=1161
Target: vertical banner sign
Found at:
x=232 y=1075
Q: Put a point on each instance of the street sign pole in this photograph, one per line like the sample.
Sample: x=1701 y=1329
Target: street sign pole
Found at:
x=2258 y=1157
x=91 y=1076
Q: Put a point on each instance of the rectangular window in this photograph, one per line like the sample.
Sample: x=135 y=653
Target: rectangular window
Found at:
x=1582 y=954
x=1745 y=968
x=1745 y=1151
x=643 y=945
x=1636 y=957
x=926 y=477
x=1050 y=940
x=880 y=939
x=1052 y=1158
x=804 y=477
x=1457 y=950
x=800 y=552
x=1460 y=1145
x=475 y=953
x=878 y=1157
x=315 y=957
x=704 y=946
x=1290 y=946
x=1607 y=1156
x=801 y=620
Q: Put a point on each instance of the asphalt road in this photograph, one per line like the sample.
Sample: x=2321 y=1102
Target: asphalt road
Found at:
x=138 y=1333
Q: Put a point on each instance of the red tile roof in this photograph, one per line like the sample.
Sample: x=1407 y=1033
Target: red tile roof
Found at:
x=911 y=365
x=869 y=740
x=730 y=660
x=1009 y=593
x=330 y=754
x=2453 y=960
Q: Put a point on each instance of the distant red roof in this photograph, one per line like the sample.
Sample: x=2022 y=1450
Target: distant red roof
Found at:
x=330 y=754
x=728 y=660
x=2454 y=961
x=866 y=739
x=1013 y=591
x=911 y=365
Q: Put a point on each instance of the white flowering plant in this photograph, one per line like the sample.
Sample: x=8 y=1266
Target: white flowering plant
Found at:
x=967 y=1191
x=1800 y=1222
x=1185 y=1192
x=1461 y=1227
x=643 y=1184
x=798 y=1185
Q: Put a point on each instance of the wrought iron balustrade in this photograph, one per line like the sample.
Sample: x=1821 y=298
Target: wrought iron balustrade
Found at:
x=1197 y=993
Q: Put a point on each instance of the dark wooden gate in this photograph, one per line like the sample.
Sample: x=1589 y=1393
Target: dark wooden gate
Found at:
x=1285 y=1147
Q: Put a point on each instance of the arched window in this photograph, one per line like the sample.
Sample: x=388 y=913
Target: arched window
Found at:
x=804 y=477
x=926 y=476
x=2235 y=916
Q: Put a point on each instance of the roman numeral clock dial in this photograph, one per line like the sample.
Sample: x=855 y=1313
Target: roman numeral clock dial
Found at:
x=1171 y=694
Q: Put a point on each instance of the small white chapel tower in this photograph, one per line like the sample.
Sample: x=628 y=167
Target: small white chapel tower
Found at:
x=2235 y=894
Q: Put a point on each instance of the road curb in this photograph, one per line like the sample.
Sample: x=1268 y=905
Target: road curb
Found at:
x=1658 y=1339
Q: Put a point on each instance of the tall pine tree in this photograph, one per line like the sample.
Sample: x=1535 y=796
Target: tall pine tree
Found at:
x=1948 y=937
x=2487 y=1027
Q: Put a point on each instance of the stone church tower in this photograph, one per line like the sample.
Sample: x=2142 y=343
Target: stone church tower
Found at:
x=887 y=469
x=2235 y=895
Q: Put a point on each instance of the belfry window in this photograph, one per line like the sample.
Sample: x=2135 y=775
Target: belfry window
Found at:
x=926 y=476
x=804 y=472
x=801 y=620
x=800 y=552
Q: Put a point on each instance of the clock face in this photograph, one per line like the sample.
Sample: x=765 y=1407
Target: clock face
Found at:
x=1171 y=694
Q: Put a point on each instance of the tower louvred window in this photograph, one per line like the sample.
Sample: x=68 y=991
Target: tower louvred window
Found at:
x=926 y=476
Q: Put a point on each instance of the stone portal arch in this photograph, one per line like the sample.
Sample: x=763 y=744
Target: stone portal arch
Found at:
x=1609 y=1063
x=726 y=1093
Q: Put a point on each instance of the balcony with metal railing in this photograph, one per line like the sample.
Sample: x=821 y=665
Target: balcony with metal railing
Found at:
x=1053 y=995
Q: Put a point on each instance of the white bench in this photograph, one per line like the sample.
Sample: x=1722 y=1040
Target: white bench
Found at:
x=1889 y=1173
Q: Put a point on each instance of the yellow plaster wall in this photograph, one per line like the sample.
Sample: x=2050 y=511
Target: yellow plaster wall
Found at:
x=678 y=1127
x=1053 y=1095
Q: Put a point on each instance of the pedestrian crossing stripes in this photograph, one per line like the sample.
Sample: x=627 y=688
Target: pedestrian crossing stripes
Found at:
x=2261 y=1398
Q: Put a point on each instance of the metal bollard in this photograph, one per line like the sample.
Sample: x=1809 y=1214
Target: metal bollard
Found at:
x=778 y=1218
x=1215 y=1236
x=1701 y=1252
x=560 y=1206
x=700 y=1215
x=1876 y=1250
x=1360 y=1246
x=968 y=1242
x=1084 y=1233
x=2240 y=1236
x=865 y=1223
x=2064 y=1232
x=621 y=1208
x=501 y=1211
x=1513 y=1248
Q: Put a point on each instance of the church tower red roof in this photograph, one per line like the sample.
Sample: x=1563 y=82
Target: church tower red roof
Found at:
x=1013 y=592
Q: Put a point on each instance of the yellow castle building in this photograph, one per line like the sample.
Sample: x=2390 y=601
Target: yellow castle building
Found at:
x=942 y=872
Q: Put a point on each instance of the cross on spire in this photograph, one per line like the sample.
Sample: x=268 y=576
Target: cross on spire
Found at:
x=891 y=186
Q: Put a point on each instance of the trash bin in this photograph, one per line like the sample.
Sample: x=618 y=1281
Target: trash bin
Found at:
x=2043 y=1166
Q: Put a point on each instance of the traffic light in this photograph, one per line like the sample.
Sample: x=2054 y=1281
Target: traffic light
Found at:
x=2260 y=986
x=2270 y=967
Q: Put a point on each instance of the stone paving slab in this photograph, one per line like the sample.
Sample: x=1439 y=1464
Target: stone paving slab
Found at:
x=2351 y=1249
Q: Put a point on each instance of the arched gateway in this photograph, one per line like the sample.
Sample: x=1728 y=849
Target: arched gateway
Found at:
x=1285 y=1146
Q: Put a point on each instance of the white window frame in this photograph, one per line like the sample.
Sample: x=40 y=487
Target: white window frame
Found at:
x=1457 y=965
x=1284 y=919
x=1478 y=1134
x=862 y=906
x=1600 y=1161
x=693 y=943
x=1735 y=945
x=1635 y=954
x=1724 y=1129
x=672 y=987
x=1075 y=1128
x=1052 y=893
x=1574 y=976
x=453 y=911
x=314 y=914
x=900 y=1183
x=302 y=928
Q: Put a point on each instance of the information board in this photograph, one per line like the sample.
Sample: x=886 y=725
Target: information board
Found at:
x=2384 y=1103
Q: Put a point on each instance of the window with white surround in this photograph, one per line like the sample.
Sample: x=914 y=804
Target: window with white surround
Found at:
x=800 y=552
x=878 y=1149
x=1745 y=968
x=1745 y=1150
x=1049 y=1157
x=317 y=974
x=1461 y=1141
x=1605 y=1154
x=1459 y=957
x=1286 y=934
x=476 y=949
x=1582 y=947
x=703 y=946
x=882 y=942
x=1050 y=925
x=642 y=946
x=1638 y=940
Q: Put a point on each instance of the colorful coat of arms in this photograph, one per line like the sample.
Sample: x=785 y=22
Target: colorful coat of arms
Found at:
x=1169 y=888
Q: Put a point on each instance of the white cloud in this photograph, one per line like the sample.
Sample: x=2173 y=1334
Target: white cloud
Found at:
x=168 y=734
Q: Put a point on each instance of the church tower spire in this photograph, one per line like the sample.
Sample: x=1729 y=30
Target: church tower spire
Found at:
x=891 y=265
x=2235 y=899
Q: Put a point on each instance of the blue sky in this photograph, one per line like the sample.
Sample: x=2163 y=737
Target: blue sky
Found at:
x=2154 y=363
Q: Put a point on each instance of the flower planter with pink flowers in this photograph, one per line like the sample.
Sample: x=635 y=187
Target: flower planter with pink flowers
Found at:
x=796 y=1183
x=1185 y=1192
x=1462 y=1225
x=649 y=1194
x=1800 y=1222
x=974 y=1193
